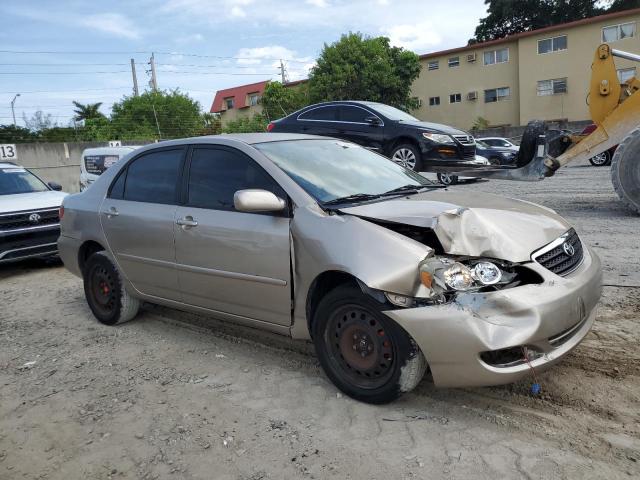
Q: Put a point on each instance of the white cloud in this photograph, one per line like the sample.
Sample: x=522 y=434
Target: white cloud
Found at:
x=112 y=23
x=416 y=36
x=318 y=3
x=237 y=12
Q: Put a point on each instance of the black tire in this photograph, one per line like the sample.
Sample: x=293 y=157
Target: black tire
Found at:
x=447 y=179
x=625 y=171
x=398 y=155
x=495 y=161
x=601 y=160
x=104 y=290
x=362 y=351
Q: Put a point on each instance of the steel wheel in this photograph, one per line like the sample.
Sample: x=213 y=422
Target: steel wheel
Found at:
x=447 y=179
x=405 y=157
x=103 y=289
x=600 y=160
x=360 y=347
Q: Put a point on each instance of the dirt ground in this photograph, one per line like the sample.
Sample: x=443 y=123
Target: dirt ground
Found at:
x=175 y=395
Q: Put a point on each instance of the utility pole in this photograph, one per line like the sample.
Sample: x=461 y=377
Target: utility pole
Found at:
x=283 y=72
x=135 y=79
x=154 y=79
x=13 y=112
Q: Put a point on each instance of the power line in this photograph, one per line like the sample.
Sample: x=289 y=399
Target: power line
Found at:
x=70 y=91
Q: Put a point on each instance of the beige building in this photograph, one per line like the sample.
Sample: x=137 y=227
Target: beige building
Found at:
x=543 y=74
x=238 y=102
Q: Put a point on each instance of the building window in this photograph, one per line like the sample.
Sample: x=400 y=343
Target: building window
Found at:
x=253 y=99
x=625 y=74
x=434 y=65
x=554 y=44
x=455 y=98
x=454 y=62
x=433 y=101
x=552 y=87
x=496 y=56
x=613 y=33
x=497 y=94
x=229 y=103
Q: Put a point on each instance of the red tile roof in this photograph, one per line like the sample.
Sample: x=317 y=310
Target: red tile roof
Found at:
x=238 y=93
x=559 y=26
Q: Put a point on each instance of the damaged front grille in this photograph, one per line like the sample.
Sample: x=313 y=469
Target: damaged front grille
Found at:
x=563 y=255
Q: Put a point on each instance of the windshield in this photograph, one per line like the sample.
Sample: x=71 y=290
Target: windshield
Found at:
x=332 y=169
x=392 y=113
x=18 y=180
x=482 y=144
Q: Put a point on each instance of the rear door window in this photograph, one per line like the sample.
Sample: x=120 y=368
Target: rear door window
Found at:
x=215 y=175
x=353 y=114
x=320 y=114
x=153 y=177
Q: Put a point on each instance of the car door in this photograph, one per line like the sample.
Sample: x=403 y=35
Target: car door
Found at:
x=138 y=220
x=353 y=126
x=229 y=261
x=320 y=120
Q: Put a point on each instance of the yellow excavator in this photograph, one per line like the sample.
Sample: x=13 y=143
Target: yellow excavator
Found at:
x=615 y=110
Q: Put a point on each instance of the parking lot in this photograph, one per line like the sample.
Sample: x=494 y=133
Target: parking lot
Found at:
x=176 y=395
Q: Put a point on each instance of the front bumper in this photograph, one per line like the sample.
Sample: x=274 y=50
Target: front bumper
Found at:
x=552 y=317
x=25 y=243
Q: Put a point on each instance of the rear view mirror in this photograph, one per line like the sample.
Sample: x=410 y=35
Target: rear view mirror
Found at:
x=55 y=186
x=255 y=200
x=373 y=121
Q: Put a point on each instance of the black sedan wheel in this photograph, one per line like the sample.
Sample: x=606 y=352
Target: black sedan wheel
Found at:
x=408 y=156
x=601 y=160
x=363 y=351
x=447 y=179
x=105 y=293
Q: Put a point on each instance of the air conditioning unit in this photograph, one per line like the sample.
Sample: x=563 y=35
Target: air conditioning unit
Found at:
x=472 y=96
x=419 y=102
x=471 y=57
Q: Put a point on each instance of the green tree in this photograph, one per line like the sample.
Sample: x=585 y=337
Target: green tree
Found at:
x=619 y=5
x=280 y=100
x=507 y=17
x=256 y=123
x=364 y=68
x=14 y=134
x=160 y=114
x=86 y=111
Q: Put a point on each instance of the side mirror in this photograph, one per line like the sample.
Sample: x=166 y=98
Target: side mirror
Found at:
x=373 y=121
x=55 y=186
x=255 y=200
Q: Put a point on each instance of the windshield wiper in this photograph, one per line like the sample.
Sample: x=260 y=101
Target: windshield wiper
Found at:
x=352 y=198
x=406 y=189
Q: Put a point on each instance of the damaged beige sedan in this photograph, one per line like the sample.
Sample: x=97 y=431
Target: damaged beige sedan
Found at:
x=390 y=275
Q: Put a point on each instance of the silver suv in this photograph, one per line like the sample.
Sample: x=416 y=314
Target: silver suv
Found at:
x=322 y=239
x=29 y=223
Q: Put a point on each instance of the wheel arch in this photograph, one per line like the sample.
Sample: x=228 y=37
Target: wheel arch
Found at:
x=402 y=140
x=88 y=248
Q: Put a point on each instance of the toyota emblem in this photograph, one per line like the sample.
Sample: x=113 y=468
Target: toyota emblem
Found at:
x=569 y=249
x=34 y=218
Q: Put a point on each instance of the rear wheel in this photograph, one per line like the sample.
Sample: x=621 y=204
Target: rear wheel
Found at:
x=601 y=160
x=625 y=170
x=447 y=179
x=364 y=353
x=105 y=293
x=408 y=156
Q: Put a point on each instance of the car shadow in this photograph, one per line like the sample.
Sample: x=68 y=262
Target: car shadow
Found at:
x=8 y=270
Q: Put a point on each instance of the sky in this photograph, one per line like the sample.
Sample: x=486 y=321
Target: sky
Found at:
x=54 y=52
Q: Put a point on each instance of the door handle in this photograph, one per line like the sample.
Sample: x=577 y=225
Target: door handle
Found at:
x=112 y=212
x=187 y=222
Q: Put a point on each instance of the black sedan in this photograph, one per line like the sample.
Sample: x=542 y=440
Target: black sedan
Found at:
x=403 y=138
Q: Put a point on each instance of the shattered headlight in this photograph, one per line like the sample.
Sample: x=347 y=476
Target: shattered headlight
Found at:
x=438 y=138
x=445 y=274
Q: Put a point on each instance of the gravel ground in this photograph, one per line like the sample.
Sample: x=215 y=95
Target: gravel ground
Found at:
x=175 y=395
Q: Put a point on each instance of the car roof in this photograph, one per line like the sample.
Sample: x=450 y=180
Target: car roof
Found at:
x=10 y=165
x=347 y=102
x=490 y=138
x=109 y=150
x=246 y=138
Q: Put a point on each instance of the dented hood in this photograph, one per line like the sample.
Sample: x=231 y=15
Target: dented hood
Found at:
x=473 y=223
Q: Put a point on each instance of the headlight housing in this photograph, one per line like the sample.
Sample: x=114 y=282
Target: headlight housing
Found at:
x=438 y=138
x=449 y=274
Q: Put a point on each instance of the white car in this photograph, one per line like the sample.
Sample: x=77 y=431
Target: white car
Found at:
x=29 y=214
x=500 y=142
x=96 y=160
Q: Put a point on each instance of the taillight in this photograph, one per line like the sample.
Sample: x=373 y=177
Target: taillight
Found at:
x=270 y=126
x=61 y=212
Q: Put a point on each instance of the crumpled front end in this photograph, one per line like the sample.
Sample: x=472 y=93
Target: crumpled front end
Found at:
x=481 y=339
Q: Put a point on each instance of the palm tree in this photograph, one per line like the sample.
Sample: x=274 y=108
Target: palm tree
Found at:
x=86 y=112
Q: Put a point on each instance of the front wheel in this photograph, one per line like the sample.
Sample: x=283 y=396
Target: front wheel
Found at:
x=363 y=352
x=408 y=156
x=447 y=179
x=601 y=160
x=105 y=292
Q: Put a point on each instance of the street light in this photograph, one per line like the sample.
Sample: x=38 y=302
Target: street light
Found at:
x=13 y=112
